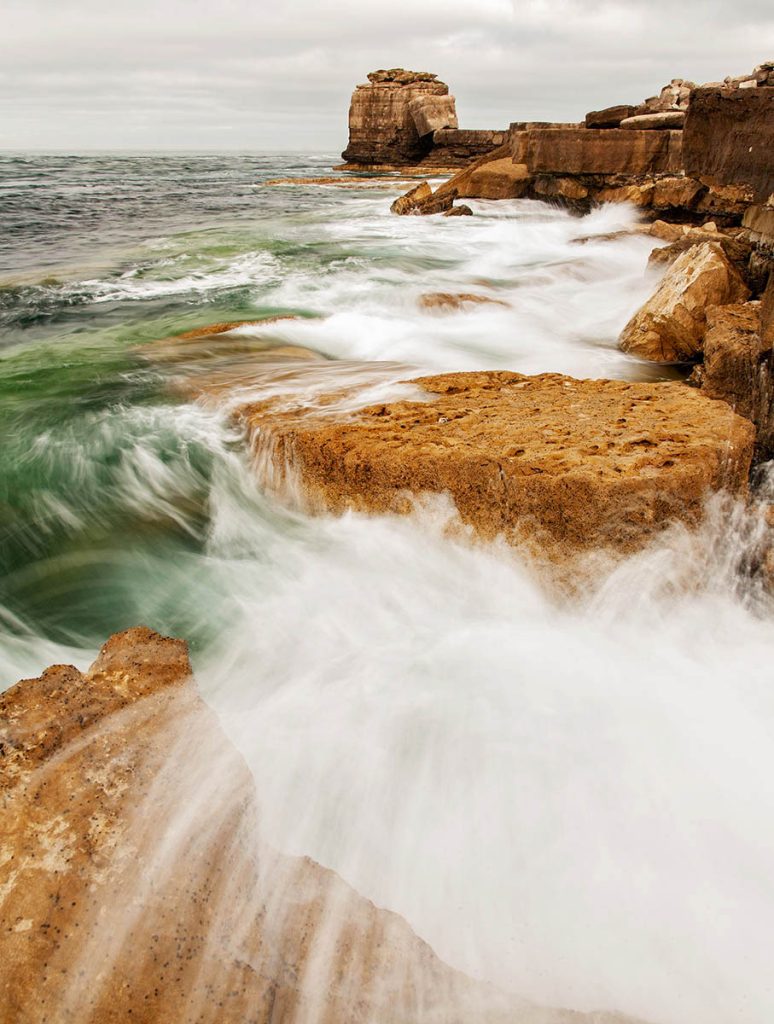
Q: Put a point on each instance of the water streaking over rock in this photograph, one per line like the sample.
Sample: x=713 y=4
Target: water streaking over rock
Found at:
x=569 y=799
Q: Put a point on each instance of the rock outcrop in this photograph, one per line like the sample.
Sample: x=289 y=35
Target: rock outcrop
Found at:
x=134 y=885
x=729 y=138
x=421 y=200
x=406 y=118
x=739 y=367
x=556 y=465
x=670 y=327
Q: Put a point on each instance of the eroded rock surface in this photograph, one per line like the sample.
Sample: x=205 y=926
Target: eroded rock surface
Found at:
x=558 y=465
x=134 y=885
x=739 y=367
x=670 y=327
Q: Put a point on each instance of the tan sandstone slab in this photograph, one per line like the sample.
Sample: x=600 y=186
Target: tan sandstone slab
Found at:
x=134 y=885
x=560 y=465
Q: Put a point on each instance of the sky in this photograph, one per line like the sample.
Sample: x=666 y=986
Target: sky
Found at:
x=273 y=75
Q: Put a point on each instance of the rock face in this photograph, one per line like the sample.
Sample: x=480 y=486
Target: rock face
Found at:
x=134 y=887
x=597 y=151
x=739 y=368
x=670 y=327
x=382 y=127
x=494 y=176
x=729 y=137
x=557 y=465
x=431 y=113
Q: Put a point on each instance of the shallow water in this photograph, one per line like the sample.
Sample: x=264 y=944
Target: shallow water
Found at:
x=574 y=799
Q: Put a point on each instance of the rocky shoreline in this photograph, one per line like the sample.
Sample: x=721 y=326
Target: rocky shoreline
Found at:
x=133 y=868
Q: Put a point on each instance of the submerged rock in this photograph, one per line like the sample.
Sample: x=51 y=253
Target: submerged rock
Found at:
x=447 y=301
x=558 y=465
x=134 y=885
x=670 y=327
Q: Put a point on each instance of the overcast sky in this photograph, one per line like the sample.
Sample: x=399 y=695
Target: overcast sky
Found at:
x=273 y=75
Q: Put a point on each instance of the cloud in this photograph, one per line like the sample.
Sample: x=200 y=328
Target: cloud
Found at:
x=270 y=75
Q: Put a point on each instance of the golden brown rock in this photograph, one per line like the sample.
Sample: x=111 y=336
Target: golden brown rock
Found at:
x=134 y=885
x=738 y=250
x=669 y=328
x=494 y=176
x=559 y=465
x=422 y=200
x=447 y=301
x=739 y=368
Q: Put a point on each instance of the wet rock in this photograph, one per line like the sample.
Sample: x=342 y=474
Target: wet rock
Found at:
x=738 y=368
x=422 y=201
x=557 y=465
x=459 y=211
x=456 y=300
x=557 y=187
x=610 y=117
x=662 y=121
x=676 y=192
x=134 y=885
x=493 y=176
x=737 y=250
x=669 y=328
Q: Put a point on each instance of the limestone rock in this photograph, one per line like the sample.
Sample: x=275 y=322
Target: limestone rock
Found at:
x=431 y=113
x=447 y=301
x=459 y=211
x=669 y=328
x=729 y=138
x=382 y=129
x=494 y=176
x=561 y=466
x=134 y=885
x=421 y=200
x=558 y=187
x=597 y=151
x=661 y=121
x=610 y=117
x=737 y=250
x=677 y=192
x=738 y=368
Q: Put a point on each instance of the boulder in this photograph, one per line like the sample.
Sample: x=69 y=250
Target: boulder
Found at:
x=737 y=250
x=459 y=211
x=665 y=120
x=421 y=200
x=610 y=117
x=431 y=113
x=556 y=465
x=676 y=193
x=135 y=885
x=738 y=368
x=493 y=176
x=729 y=138
x=670 y=327
x=558 y=187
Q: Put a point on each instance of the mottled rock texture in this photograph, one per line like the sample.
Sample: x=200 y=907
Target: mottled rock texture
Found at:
x=557 y=465
x=134 y=887
x=738 y=367
x=670 y=326
x=729 y=137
